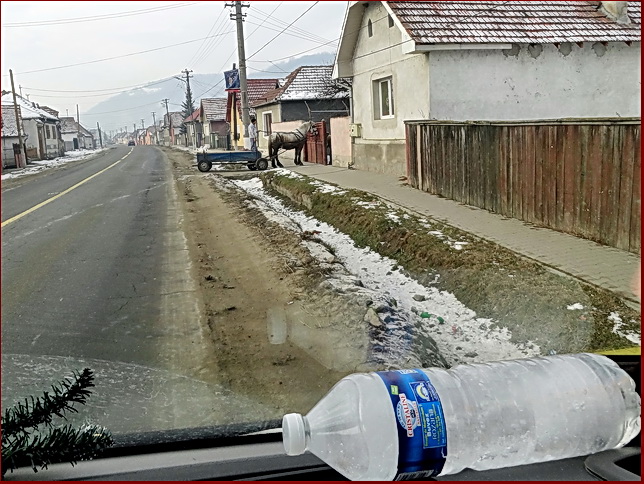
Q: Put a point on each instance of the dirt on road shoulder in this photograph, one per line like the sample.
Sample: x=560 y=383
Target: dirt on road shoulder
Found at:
x=245 y=285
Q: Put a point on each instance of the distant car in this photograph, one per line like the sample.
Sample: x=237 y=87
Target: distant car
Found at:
x=131 y=143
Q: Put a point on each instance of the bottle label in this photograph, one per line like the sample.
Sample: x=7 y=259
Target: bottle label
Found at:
x=422 y=435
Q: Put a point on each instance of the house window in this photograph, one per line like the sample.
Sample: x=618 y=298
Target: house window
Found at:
x=48 y=133
x=268 y=123
x=383 y=99
x=391 y=21
x=370 y=28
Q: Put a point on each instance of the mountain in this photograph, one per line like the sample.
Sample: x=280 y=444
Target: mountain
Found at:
x=129 y=107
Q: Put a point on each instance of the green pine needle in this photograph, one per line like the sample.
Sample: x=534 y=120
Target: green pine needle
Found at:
x=23 y=441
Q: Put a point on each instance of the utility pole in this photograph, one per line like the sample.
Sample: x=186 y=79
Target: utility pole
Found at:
x=78 y=126
x=169 y=119
x=189 y=102
x=21 y=162
x=156 y=132
x=241 y=52
x=20 y=87
x=99 y=133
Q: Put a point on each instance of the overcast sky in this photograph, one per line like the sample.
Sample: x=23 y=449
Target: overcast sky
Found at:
x=44 y=35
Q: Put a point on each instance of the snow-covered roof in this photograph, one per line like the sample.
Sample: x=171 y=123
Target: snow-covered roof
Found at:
x=214 y=109
x=9 y=125
x=69 y=125
x=305 y=83
x=28 y=109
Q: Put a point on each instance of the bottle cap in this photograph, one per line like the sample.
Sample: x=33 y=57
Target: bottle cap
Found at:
x=293 y=434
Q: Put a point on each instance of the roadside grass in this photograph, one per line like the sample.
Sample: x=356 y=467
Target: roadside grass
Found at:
x=528 y=298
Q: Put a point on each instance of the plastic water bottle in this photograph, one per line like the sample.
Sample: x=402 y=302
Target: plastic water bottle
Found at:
x=423 y=423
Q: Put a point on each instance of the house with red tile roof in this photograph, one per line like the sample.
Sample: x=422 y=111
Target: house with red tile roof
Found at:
x=483 y=61
x=256 y=89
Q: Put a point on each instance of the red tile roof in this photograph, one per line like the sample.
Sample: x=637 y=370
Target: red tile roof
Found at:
x=535 y=22
x=257 y=89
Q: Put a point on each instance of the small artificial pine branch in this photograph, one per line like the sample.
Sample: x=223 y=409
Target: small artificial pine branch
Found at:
x=28 y=434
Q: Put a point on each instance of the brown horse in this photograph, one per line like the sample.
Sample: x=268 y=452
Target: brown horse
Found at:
x=293 y=140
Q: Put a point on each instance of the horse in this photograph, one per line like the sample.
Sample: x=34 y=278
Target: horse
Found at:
x=292 y=140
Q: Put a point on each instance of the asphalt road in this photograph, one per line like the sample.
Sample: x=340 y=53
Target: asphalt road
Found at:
x=75 y=272
x=100 y=277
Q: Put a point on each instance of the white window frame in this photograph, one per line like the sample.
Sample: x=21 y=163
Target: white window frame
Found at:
x=379 y=83
x=267 y=132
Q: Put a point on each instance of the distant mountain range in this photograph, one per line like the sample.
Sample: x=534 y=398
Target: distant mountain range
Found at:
x=129 y=107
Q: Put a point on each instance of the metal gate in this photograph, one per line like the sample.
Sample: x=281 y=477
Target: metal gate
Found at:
x=315 y=150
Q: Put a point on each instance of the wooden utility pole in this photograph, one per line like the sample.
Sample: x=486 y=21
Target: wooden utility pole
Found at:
x=78 y=126
x=241 y=52
x=100 y=138
x=20 y=161
x=156 y=131
x=169 y=121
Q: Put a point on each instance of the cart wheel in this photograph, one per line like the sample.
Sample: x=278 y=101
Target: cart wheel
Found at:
x=261 y=164
x=204 y=166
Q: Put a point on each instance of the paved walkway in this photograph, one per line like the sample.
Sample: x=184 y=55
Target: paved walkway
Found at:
x=598 y=265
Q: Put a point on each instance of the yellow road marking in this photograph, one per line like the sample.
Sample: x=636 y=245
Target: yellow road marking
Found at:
x=42 y=204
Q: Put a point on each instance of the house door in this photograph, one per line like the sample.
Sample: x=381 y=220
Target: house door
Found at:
x=316 y=145
x=75 y=143
x=41 y=143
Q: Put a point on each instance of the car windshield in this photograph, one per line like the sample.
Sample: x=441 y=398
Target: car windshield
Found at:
x=409 y=194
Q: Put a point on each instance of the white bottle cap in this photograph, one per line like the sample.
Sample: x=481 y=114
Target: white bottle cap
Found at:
x=293 y=434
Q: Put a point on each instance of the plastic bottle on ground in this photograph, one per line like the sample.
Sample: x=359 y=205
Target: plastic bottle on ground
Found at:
x=423 y=423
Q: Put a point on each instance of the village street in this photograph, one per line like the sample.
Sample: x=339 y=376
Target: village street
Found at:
x=97 y=271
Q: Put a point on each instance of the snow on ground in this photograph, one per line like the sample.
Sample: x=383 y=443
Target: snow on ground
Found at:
x=575 y=306
x=38 y=166
x=462 y=334
x=633 y=337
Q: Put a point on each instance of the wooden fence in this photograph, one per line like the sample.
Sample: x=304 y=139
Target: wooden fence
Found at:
x=577 y=176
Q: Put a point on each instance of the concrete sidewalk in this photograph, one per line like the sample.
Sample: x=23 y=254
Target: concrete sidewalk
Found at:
x=595 y=264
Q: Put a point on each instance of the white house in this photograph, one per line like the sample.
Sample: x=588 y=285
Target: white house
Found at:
x=495 y=60
x=41 y=128
x=10 y=140
x=75 y=136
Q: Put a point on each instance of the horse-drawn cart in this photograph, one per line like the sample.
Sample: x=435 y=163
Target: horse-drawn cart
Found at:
x=252 y=159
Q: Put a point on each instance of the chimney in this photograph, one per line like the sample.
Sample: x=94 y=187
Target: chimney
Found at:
x=617 y=11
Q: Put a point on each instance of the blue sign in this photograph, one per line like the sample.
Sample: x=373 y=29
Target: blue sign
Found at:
x=232 y=80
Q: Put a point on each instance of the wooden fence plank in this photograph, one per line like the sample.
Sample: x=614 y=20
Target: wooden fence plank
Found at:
x=539 y=156
x=585 y=181
x=636 y=214
x=627 y=154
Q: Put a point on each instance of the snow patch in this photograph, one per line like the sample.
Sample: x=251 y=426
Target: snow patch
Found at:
x=463 y=336
x=575 y=306
x=618 y=324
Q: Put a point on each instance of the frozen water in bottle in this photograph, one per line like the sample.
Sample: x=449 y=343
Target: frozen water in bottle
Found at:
x=423 y=423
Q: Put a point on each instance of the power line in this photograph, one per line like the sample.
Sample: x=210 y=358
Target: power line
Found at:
x=292 y=34
x=118 y=56
x=117 y=89
x=212 y=43
x=280 y=23
x=93 y=18
x=209 y=32
x=267 y=43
